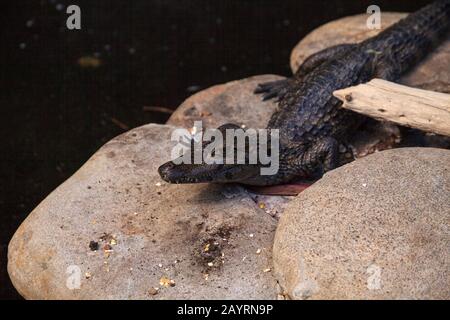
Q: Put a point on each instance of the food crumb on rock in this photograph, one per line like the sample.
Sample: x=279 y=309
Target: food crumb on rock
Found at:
x=153 y=291
x=166 y=282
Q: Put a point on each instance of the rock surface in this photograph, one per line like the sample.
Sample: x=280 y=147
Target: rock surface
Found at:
x=377 y=228
x=115 y=227
x=232 y=102
x=429 y=74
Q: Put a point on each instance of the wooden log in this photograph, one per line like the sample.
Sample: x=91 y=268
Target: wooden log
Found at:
x=416 y=108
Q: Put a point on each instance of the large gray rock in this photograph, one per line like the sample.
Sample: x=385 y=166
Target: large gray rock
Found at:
x=430 y=74
x=122 y=230
x=377 y=228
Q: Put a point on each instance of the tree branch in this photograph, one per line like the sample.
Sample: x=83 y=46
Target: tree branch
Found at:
x=425 y=110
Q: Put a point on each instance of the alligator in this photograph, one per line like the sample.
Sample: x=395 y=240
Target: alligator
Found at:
x=310 y=119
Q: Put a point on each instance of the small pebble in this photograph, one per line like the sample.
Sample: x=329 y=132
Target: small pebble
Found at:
x=153 y=291
x=166 y=282
x=193 y=88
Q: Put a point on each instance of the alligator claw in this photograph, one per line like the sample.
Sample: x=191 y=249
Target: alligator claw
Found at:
x=274 y=89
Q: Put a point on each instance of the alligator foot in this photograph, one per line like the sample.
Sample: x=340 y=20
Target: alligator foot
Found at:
x=273 y=89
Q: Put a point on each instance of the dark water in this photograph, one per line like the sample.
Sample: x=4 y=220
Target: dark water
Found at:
x=56 y=113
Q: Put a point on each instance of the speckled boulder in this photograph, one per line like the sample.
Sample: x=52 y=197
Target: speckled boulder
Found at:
x=377 y=228
x=430 y=74
x=232 y=102
x=114 y=230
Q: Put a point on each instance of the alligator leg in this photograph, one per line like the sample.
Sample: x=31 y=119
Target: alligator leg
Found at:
x=347 y=152
x=387 y=70
x=324 y=153
x=273 y=89
x=277 y=89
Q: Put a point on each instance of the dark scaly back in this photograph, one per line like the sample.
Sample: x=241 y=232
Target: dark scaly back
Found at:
x=407 y=42
x=308 y=109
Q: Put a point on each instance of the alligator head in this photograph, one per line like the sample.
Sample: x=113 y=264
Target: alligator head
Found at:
x=224 y=171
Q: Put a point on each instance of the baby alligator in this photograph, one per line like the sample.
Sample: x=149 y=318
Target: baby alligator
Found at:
x=310 y=119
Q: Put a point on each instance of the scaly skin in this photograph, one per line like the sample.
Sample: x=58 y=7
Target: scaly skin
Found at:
x=309 y=117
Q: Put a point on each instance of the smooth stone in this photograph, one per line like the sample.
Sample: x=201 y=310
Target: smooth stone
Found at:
x=145 y=231
x=430 y=74
x=231 y=102
x=377 y=228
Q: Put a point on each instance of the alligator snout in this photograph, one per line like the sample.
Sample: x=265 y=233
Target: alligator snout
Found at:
x=167 y=172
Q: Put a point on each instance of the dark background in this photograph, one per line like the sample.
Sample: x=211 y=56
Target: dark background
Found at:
x=55 y=112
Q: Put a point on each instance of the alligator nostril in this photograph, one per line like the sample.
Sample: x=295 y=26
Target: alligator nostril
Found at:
x=164 y=170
